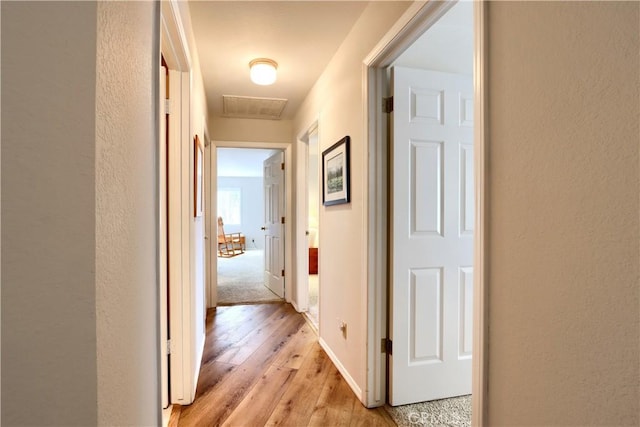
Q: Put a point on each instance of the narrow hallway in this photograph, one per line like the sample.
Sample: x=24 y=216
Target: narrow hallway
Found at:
x=262 y=365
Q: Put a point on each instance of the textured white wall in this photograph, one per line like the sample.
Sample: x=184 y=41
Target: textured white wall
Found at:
x=48 y=214
x=336 y=100
x=564 y=229
x=126 y=214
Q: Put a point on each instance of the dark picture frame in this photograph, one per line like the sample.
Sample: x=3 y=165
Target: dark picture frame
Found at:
x=198 y=177
x=336 y=180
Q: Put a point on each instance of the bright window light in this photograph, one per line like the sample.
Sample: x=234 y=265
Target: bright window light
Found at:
x=230 y=205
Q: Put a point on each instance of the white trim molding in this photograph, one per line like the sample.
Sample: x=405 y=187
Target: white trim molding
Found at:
x=173 y=39
x=480 y=359
x=301 y=300
x=186 y=347
x=289 y=227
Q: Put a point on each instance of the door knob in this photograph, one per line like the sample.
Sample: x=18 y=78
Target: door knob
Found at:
x=263 y=228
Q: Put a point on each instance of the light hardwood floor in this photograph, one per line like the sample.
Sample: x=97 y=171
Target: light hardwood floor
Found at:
x=262 y=365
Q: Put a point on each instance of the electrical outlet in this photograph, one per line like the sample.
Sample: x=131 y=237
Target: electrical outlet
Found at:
x=342 y=325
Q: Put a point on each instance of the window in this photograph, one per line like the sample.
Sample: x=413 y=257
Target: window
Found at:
x=229 y=205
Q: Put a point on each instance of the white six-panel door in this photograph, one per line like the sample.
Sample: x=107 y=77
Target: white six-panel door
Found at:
x=431 y=236
x=273 y=176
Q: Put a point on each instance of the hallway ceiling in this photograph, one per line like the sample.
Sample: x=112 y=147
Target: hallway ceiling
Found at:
x=301 y=36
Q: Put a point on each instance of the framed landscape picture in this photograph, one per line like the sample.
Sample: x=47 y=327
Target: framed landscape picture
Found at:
x=335 y=173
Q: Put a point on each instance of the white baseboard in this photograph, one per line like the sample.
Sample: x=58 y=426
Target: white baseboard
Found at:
x=295 y=306
x=343 y=371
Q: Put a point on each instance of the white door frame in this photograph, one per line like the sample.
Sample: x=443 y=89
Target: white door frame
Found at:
x=162 y=239
x=288 y=226
x=301 y=300
x=174 y=48
x=210 y=244
x=413 y=23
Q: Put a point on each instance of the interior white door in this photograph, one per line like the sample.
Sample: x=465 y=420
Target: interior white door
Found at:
x=432 y=236
x=273 y=176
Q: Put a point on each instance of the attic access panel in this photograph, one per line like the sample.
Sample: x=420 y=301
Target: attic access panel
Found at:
x=252 y=107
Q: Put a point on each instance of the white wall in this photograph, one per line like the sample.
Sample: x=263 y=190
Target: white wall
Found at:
x=564 y=229
x=252 y=205
x=126 y=219
x=48 y=214
x=336 y=102
x=250 y=130
x=79 y=321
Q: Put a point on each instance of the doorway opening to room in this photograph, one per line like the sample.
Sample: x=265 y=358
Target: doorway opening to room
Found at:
x=309 y=221
x=430 y=79
x=431 y=204
x=250 y=244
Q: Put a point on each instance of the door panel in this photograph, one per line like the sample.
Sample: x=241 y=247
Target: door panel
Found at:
x=425 y=328
x=273 y=177
x=431 y=236
x=426 y=187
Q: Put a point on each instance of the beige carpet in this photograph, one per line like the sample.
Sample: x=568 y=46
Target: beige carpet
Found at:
x=453 y=412
x=241 y=279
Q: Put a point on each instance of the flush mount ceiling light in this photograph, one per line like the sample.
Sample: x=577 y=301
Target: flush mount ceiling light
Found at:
x=263 y=71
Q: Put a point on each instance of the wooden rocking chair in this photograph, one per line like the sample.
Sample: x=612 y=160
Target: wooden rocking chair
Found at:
x=229 y=245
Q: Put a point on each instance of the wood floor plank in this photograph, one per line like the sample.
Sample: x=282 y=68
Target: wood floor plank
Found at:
x=263 y=397
x=363 y=417
x=247 y=333
x=174 y=418
x=298 y=403
x=293 y=354
x=222 y=316
x=335 y=404
x=233 y=328
x=268 y=351
x=228 y=395
x=233 y=389
x=211 y=375
x=249 y=344
x=283 y=377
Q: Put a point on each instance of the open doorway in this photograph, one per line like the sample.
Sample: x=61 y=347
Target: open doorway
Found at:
x=241 y=229
x=308 y=287
x=431 y=203
x=313 y=224
x=453 y=326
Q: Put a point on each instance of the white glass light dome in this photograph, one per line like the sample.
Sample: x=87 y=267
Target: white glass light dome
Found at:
x=263 y=71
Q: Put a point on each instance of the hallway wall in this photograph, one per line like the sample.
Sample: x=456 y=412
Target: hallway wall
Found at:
x=48 y=214
x=126 y=213
x=79 y=301
x=250 y=130
x=336 y=102
x=564 y=229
